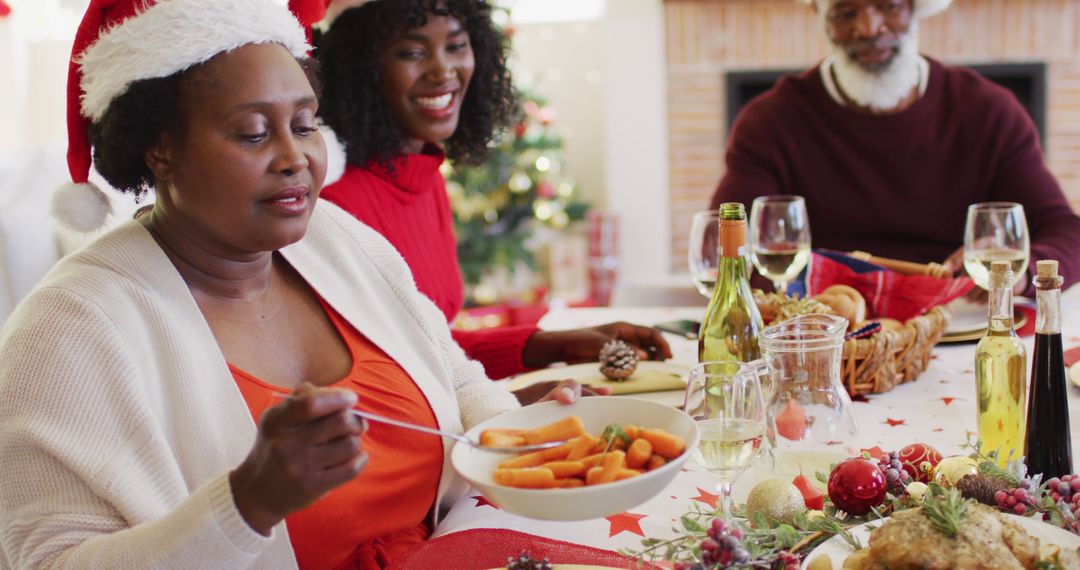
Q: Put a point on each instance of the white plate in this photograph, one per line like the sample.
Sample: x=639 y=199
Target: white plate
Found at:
x=967 y=316
x=837 y=549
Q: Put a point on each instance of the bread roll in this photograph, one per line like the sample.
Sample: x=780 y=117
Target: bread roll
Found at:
x=858 y=302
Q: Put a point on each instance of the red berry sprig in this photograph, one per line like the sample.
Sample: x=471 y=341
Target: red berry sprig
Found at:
x=895 y=475
x=1017 y=500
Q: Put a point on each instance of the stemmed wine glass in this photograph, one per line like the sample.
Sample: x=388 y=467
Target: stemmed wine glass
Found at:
x=724 y=398
x=779 y=238
x=995 y=231
x=703 y=250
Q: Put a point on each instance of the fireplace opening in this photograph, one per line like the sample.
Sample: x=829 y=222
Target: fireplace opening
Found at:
x=1026 y=80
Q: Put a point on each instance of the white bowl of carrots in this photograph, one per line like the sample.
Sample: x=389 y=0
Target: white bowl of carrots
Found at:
x=592 y=475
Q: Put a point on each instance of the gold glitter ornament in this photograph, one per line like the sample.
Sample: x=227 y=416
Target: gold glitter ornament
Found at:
x=777 y=499
x=952 y=469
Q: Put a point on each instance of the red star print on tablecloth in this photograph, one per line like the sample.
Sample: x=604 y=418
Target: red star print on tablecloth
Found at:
x=947 y=400
x=894 y=423
x=625 y=522
x=706 y=497
x=483 y=502
x=875 y=451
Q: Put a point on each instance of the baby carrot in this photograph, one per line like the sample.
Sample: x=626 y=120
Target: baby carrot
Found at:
x=654 y=462
x=569 y=483
x=626 y=474
x=565 y=468
x=663 y=443
x=501 y=438
x=593 y=460
x=566 y=428
x=613 y=462
x=592 y=476
x=534 y=459
x=638 y=454
x=582 y=446
x=534 y=478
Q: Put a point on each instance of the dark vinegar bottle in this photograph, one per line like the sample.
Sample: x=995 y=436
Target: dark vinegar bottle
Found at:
x=1047 y=445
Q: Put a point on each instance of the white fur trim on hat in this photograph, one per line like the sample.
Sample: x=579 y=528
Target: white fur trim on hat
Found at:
x=80 y=207
x=923 y=8
x=173 y=35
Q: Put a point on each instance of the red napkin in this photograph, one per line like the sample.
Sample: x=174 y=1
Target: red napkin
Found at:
x=1072 y=356
x=482 y=548
x=888 y=294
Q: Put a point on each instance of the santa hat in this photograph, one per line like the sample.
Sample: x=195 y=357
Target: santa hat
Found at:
x=923 y=8
x=120 y=42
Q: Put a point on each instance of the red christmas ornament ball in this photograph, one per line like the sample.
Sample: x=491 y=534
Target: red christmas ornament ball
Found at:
x=914 y=456
x=856 y=485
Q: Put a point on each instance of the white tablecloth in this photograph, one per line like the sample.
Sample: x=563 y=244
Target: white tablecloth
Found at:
x=938 y=409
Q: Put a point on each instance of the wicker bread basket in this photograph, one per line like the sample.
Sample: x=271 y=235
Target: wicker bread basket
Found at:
x=894 y=355
x=899 y=352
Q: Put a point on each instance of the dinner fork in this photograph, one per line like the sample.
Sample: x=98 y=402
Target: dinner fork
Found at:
x=460 y=438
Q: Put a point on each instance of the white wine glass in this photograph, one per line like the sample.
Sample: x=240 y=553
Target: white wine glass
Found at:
x=703 y=250
x=996 y=231
x=779 y=238
x=724 y=398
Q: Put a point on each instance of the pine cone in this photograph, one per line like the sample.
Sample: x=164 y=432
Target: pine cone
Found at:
x=618 y=360
x=525 y=562
x=981 y=488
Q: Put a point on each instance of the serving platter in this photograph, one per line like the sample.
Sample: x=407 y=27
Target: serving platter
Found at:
x=837 y=549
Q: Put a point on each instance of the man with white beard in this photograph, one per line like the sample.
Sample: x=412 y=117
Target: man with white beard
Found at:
x=890 y=147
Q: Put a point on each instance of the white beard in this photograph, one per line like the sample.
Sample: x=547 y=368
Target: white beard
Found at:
x=884 y=89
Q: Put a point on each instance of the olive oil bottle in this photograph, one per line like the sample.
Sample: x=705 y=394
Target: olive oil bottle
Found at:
x=732 y=322
x=1001 y=373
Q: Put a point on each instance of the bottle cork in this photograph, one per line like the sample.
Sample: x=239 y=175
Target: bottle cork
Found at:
x=1047 y=268
x=1000 y=274
x=1046 y=275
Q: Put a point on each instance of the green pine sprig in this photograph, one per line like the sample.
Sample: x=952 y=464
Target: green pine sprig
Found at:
x=946 y=509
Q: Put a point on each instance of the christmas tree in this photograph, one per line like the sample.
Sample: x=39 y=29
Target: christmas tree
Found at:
x=499 y=205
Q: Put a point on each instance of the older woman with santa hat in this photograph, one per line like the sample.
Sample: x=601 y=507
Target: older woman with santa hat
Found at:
x=178 y=393
x=890 y=147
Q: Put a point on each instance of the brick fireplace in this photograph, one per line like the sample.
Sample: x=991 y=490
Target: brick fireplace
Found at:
x=718 y=49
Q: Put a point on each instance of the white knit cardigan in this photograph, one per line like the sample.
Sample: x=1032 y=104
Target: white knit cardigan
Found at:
x=120 y=420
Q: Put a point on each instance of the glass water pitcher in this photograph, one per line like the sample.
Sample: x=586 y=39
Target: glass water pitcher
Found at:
x=812 y=422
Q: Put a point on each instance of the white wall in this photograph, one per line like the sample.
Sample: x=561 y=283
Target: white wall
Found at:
x=606 y=79
x=635 y=132
x=562 y=63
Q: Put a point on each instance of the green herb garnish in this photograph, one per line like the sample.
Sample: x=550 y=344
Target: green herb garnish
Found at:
x=611 y=433
x=946 y=509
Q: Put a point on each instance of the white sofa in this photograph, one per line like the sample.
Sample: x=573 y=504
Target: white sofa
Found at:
x=30 y=241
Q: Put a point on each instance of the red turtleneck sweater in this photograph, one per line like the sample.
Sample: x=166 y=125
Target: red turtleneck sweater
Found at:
x=410 y=208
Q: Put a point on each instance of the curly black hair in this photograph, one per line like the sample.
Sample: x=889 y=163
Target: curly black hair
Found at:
x=135 y=119
x=352 y=105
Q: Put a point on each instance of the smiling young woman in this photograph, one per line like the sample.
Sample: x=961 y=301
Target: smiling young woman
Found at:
x=408 y=83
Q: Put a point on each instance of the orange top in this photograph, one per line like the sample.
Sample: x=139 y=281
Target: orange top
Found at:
x=379 y=515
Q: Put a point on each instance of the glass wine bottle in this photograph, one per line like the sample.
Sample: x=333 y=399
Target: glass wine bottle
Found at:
x=1001 y=373
x=732 y=323
x=1048 y=446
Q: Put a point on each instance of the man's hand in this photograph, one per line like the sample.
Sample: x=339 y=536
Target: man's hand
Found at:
x=583 y=345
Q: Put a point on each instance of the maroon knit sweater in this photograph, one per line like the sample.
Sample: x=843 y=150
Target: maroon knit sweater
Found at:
x=409 y=207
x=899 y=185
